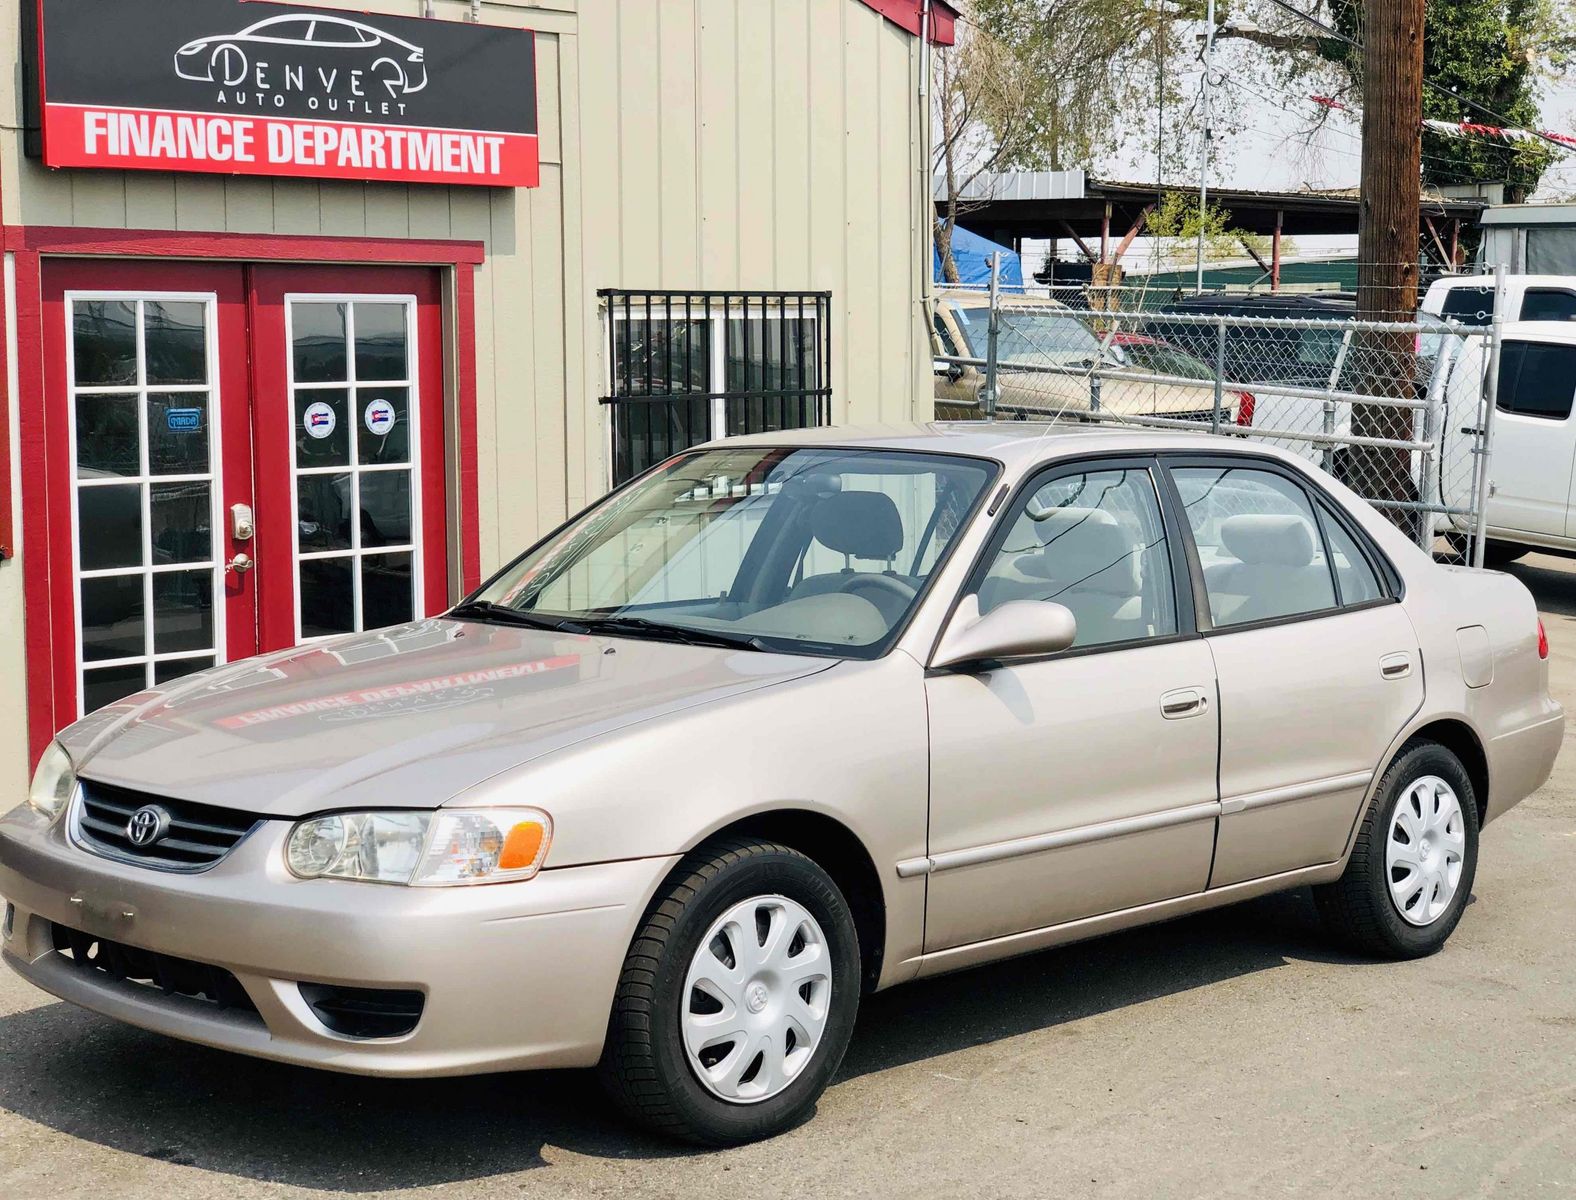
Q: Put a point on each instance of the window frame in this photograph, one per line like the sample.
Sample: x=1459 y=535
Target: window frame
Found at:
x=1183 y=598
x=1520 y=347
x=1391 y=586
x=623 y=309
x=1546 y=290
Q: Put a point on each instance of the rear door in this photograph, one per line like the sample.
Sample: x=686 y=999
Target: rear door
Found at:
x=1317 y=663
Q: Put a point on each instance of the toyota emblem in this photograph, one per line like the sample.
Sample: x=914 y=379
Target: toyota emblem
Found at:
x=147 y=825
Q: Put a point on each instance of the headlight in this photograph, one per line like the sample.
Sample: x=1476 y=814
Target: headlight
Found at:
x=422 y=849
x=53 y=782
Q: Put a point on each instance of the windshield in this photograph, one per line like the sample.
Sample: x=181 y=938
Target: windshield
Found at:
x=817 y=551
x=1157 y=358
x=1046 y=336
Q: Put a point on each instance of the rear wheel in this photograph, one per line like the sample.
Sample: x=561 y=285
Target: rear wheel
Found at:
x=1411 y=872
x=737 y=998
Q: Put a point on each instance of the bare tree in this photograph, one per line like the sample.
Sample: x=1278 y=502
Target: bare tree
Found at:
x=983 y=97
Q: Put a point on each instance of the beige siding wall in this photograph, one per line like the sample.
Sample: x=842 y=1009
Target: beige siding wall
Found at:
x=760 y=144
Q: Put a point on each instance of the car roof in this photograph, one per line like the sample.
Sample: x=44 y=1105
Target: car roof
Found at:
x=970 y=298
x=1563 y=332
x=1017 y=444
x=1332 y=300
x=1450 y=282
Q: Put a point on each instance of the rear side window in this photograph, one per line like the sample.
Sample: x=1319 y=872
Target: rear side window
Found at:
x=1537 y=379
x=1548 y=304
x=1354 y=575
x=1258 y=542
x=1469 y=305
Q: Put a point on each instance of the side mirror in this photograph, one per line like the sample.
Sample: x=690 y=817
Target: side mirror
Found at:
x=1018 y=629
x=953 y=371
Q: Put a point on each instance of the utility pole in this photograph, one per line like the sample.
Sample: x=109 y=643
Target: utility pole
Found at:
x=1387 y=238
x=1203 y=150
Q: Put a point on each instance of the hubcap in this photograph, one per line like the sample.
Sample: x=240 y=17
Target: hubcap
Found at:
x=756 y=999
x=1423 y=854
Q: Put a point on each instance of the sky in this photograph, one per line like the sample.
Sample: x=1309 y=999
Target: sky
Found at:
x=1271 y=151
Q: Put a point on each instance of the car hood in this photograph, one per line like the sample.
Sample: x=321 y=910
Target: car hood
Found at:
x=406 y=717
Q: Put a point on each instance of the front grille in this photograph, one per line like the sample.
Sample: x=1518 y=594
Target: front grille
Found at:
x=144 y=968
x=198 y=836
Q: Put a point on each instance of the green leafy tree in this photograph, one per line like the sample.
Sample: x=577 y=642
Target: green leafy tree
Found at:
x=1495 y=53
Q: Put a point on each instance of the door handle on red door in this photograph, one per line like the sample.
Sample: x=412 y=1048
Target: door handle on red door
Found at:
x=1183 y=702
x=240 y=564
x=1396 y=666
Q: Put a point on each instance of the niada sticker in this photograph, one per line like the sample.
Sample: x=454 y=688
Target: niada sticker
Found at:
x=379 y=417
x=319 y=420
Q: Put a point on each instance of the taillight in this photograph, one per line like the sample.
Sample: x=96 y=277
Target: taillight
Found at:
x=1245 y=403
x=1543 y=640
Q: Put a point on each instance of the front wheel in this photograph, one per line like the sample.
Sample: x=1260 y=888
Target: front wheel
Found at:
x=737 y=998
x=1410 y=874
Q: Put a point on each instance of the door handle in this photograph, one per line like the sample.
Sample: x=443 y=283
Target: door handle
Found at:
x=240 y=564
x=1184 y=702
x=1395 y=666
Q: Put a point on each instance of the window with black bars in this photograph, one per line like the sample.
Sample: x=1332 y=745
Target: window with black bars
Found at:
x=687 y=367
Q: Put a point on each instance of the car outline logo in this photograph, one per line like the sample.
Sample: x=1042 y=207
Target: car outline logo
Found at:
x=222 y=58
x=147 y=825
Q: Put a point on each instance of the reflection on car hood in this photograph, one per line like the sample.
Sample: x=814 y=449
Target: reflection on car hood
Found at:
x=405 y=717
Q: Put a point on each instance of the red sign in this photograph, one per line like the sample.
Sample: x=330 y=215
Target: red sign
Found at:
x=132 y=139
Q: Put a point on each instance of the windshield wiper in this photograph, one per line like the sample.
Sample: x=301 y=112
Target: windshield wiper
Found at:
x=502 y=614
x=687 y=634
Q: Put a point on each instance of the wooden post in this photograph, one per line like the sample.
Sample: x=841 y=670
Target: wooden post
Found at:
x=1275 y=252
x=1105 y=232
x=1388 y=242
x=1455 y=243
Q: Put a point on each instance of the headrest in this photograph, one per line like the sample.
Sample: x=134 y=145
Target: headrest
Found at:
x=1263 y=539
x=1085 y=546
x=861 y=524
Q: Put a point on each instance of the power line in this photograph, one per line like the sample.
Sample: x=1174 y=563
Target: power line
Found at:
x=1428 y=83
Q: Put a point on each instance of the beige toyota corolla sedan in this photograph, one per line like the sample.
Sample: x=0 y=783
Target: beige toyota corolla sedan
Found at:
x=789 y=719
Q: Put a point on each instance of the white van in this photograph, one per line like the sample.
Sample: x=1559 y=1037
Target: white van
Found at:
x=1469 y=299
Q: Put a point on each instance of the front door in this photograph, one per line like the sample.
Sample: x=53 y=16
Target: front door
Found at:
x=1081 y=783
x=218 y=426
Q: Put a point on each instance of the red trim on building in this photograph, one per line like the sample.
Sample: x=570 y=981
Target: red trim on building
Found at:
x=242 y=247
x=909 y=15
x=51 y=665
x=468 y=472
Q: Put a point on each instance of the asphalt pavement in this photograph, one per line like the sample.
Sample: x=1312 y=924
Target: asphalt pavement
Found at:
x=1230 y=1054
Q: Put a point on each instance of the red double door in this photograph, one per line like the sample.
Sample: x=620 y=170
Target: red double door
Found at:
x=240 y=458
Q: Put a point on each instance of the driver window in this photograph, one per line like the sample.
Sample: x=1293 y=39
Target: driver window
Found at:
x=1096 y=543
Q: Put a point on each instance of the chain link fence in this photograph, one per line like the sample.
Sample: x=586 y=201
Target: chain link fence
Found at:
x=1400 y=412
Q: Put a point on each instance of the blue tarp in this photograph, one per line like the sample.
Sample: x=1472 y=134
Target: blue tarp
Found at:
x=972 y=254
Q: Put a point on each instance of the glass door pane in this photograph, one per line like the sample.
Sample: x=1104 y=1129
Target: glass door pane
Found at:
x=140 y=376
x=354 y=449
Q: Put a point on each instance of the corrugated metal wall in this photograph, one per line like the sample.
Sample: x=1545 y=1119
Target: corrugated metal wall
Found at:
x=758 y=144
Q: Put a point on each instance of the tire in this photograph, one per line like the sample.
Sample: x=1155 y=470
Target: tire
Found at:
x=1367 y=907
x=647 y=1065
x=1499 y=554
x=1495 y=554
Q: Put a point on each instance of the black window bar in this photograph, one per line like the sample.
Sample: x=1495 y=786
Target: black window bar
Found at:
x=686 y=367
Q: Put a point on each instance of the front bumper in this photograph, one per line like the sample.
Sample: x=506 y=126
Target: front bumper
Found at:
x=514 y=975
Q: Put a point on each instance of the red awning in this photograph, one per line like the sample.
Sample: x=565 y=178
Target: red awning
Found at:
x=908 y=13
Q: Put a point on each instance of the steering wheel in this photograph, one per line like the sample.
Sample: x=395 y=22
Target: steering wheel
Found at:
x=889 y=584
